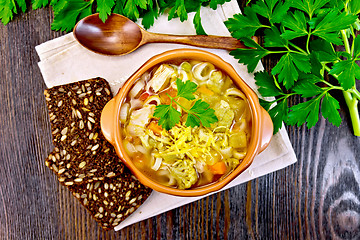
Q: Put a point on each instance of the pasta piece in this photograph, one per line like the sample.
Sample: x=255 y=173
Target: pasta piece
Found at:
x=141 y=149
x=137 y=88
x=151 y=100
x=202 y=71
x=157 y=164
x=235 y=92
x=124 y=112
x=130 y=149
x=185 y=66
x=183 y=75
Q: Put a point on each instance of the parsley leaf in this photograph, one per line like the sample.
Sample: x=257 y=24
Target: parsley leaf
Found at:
x=178 y=10
x=325 y=50
x=39 y=3
x=197 y=23
x=278 y=112
x=274 y=10
x=267 y=86
x=215 y=3
x=288 y=67
x=104 y=8
x=347 y=71
x=307 y=88
x=245 y=25
x=309 y=6
x=131 y=10
x=168 y=116
x=186 y=89
x=10 y=7
x=296 y=22
x=202 y=112
x=305 y=112
x=199 y=113
x=150 y=16
x=251 y=56
x=330 y=109
x=273 y=38
x=66 y=18
x=333 y=22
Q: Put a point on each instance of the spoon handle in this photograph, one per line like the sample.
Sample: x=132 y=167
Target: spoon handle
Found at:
x=228 y=43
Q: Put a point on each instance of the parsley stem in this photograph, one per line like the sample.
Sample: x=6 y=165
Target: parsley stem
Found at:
x=354 y=114
x=355 y=92
x=346 y=41
x=174 y=101
x=352 y=95
x=295 y=46
x=307 y=42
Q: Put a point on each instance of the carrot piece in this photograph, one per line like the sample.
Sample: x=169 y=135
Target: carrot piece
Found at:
x=218 y=168
x=153 y=126
x=144 y=96
x=164 y=97
x=204 y=90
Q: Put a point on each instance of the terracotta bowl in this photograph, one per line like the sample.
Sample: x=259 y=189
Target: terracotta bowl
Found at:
x=261 y=132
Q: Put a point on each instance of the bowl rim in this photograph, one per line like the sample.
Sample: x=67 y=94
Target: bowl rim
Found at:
x=219 y=63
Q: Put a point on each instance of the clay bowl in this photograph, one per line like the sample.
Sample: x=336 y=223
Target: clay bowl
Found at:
x=261 y=132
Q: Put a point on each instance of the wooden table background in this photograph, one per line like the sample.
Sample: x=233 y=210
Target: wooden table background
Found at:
x=316 y=198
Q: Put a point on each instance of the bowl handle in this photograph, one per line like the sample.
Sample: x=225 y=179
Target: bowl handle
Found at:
x=107 y=121
x=267 y=129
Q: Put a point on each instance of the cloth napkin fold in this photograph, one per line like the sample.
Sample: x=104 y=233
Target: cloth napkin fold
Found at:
x=63 y=60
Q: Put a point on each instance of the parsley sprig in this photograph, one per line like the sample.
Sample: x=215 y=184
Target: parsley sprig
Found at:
x=68 y=12
x=305 y=35
x=199 y=113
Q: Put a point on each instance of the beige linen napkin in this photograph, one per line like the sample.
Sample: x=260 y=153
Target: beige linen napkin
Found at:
x=63 y=60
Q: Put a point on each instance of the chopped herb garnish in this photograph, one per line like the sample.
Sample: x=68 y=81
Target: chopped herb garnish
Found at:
x=199 y=113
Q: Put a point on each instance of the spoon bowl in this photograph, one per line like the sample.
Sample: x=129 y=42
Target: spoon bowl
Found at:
x=119 y=36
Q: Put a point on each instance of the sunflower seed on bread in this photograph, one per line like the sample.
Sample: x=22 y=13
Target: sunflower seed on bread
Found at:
x=75 y=110
x=81 y=152
x=78 y=167
x=111 y=200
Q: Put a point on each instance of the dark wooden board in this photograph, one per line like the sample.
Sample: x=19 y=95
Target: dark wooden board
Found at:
x=316 y=198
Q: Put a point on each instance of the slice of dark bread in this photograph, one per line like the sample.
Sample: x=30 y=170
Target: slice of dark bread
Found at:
x=81 y=152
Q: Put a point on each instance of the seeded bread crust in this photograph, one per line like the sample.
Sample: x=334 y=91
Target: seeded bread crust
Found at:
x=81 y=152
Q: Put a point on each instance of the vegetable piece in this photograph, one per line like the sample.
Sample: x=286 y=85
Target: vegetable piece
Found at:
x=153 y=126
x=238 y=140
x=306 y=41
x=204 y=90
x=184 y=172
x=144 y=96
x=224 y=114
x=218 y=168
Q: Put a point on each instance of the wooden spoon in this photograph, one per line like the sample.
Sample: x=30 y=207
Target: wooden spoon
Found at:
x=119 y=35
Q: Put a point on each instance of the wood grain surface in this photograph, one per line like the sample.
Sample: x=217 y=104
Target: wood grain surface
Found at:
x=316 y=198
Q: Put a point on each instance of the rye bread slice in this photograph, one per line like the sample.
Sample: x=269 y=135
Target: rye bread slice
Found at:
x=111 y=200
x=81 y=152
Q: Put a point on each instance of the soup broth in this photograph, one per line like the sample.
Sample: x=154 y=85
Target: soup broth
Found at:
x=185 y=157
